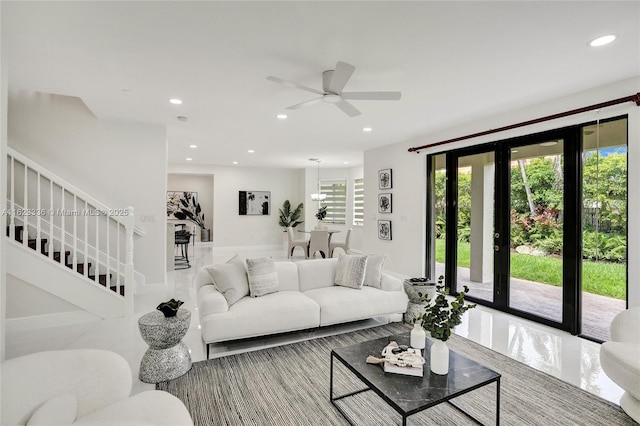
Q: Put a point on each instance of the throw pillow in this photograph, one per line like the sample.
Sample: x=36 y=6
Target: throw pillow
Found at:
x=59 y=410
x=230 y=279
x=373 y=273
x=350 y=270
x=262 y=276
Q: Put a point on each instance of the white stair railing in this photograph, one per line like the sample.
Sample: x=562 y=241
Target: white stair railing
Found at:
x=89 y=235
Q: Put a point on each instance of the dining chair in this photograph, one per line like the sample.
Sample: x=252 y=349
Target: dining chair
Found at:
x=293 y=243
x=319 y=242
x=344 y=245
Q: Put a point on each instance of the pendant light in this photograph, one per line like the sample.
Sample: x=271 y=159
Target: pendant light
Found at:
x=317 y=196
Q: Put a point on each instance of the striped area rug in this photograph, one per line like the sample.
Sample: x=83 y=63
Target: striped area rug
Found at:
x=289 y=385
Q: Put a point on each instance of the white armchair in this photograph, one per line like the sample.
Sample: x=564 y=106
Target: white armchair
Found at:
x=293 y=243
x=81 y=387
x=319 y=241
x=620 y=359
x=344 y=245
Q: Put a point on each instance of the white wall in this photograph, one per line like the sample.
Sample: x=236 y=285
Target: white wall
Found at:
x=3 y=188
x=229 y=228
x=120 y=164
x=406 y=251
x=203 y=185
x=28 y=300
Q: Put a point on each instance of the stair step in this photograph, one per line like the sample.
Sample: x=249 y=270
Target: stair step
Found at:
x=56 y=256
x=18 y=232
x=79 y=267
x=32 y=245
x=102 y=279
x=121 y=289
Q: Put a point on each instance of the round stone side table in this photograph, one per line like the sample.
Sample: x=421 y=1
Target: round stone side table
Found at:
x=167 y=357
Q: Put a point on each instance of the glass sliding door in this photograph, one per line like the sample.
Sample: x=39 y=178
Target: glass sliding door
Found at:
x=536 y=229
x=475 y=204
x=604 y=231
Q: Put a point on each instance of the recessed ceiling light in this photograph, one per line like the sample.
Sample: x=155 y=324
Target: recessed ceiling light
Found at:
x=235 y=162
x=514 y=151
x=251 y=151
x=601 y=41
x=175 y=101
x=281 y=116
x=550 y=143
x=193 y=146
x=367 y=129
x=346 y=162
x=189 y=159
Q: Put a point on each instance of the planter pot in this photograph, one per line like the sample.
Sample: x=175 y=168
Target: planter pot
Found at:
x=439 y=357
x=205 y=235
x=414 y=291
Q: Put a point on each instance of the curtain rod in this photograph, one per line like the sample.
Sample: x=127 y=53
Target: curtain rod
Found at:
x=633 y=98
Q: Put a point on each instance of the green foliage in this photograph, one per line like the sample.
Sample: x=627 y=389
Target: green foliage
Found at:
x=288 y=217
x=191 y=211
x=440 y=316
x=322 y=213
x=599 y=246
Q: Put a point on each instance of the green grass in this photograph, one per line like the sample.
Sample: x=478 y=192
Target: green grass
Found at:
x=606 y=279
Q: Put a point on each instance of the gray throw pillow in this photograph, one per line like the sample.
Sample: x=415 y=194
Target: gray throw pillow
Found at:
x=350 y=270
x=263 y=278
x=373 y=273
x=230 y=279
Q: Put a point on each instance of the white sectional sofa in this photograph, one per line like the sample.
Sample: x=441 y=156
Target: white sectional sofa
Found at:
x=306 y=297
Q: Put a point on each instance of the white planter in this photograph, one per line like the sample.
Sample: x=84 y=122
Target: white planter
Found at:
x=439 y=357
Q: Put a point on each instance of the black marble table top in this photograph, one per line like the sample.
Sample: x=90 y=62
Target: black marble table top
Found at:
x=410 y=394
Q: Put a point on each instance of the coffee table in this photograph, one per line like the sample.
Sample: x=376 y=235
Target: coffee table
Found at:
x=409 y=394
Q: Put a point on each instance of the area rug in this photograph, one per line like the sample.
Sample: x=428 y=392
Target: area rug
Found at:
x=289 y=385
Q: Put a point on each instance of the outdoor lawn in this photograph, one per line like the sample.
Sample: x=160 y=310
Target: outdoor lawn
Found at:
x=603 y=278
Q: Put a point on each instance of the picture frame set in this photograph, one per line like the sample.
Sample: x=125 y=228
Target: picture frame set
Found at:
x=385 y=202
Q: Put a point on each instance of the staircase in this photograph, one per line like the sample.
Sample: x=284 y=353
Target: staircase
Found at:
x=67 y=243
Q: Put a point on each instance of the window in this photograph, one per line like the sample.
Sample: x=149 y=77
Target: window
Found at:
x=358 y=202
x=336 y=201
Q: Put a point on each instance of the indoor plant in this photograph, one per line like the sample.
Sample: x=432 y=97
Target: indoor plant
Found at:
x=439 y=317
x=192 y=211
x=320 y=215
x=288 y=217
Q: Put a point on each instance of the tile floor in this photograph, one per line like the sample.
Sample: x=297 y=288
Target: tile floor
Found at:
x=555 y=352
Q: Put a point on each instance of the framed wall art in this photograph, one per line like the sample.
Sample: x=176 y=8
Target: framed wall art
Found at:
x=385 y=179
x=254 y=203
x=384 y=203
x=384 y=229
x=179 y=199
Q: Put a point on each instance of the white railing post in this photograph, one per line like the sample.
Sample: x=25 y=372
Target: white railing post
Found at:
x=38 y=215
x=50 y=213
x=12 y=218
x=25 y=218
x=128 y=267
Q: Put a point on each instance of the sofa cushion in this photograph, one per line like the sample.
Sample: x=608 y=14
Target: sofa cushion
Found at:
x=59 y=410
x=350 y=270
x=373 y=273
x=273 y=313
x=262 y=276
x=342 y=304
x=230 y=279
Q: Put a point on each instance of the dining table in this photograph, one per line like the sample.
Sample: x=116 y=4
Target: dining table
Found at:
x=330 y=231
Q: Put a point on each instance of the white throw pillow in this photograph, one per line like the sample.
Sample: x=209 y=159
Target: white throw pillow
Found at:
x=230 y=279
x=373 y=273
x=263 y=278
x=59 y=410
x=350 y=270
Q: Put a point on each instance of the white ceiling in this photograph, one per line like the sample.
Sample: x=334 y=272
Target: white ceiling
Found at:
x=452 y=61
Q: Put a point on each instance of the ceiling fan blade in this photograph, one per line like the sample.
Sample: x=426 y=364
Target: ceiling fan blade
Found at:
x=305 y=103
x=294 y=85
x=341 y=75
x=372 y=96
x=347 y=108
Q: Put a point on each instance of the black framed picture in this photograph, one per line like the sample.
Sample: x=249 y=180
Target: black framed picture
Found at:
x=384 y=203
x=254 y=203
x=384 y=229
x=385 y=179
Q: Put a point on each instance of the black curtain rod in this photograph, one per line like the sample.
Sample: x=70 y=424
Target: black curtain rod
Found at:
x=633 y=98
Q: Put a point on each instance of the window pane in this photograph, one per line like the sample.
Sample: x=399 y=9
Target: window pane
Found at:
x=358 y=202
x=335 y=201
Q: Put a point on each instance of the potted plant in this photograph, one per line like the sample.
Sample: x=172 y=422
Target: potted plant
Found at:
x=192 y=211
x=320 y=215
x=440 y=317
x=288 y=217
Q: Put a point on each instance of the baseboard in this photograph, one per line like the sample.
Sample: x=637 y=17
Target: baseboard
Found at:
x=38 y=322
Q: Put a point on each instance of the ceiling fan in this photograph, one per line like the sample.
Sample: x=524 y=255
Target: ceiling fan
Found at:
x=333 y=81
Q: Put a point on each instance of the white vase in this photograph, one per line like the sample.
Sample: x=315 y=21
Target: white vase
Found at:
x=418 y=336
x=439 y=357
